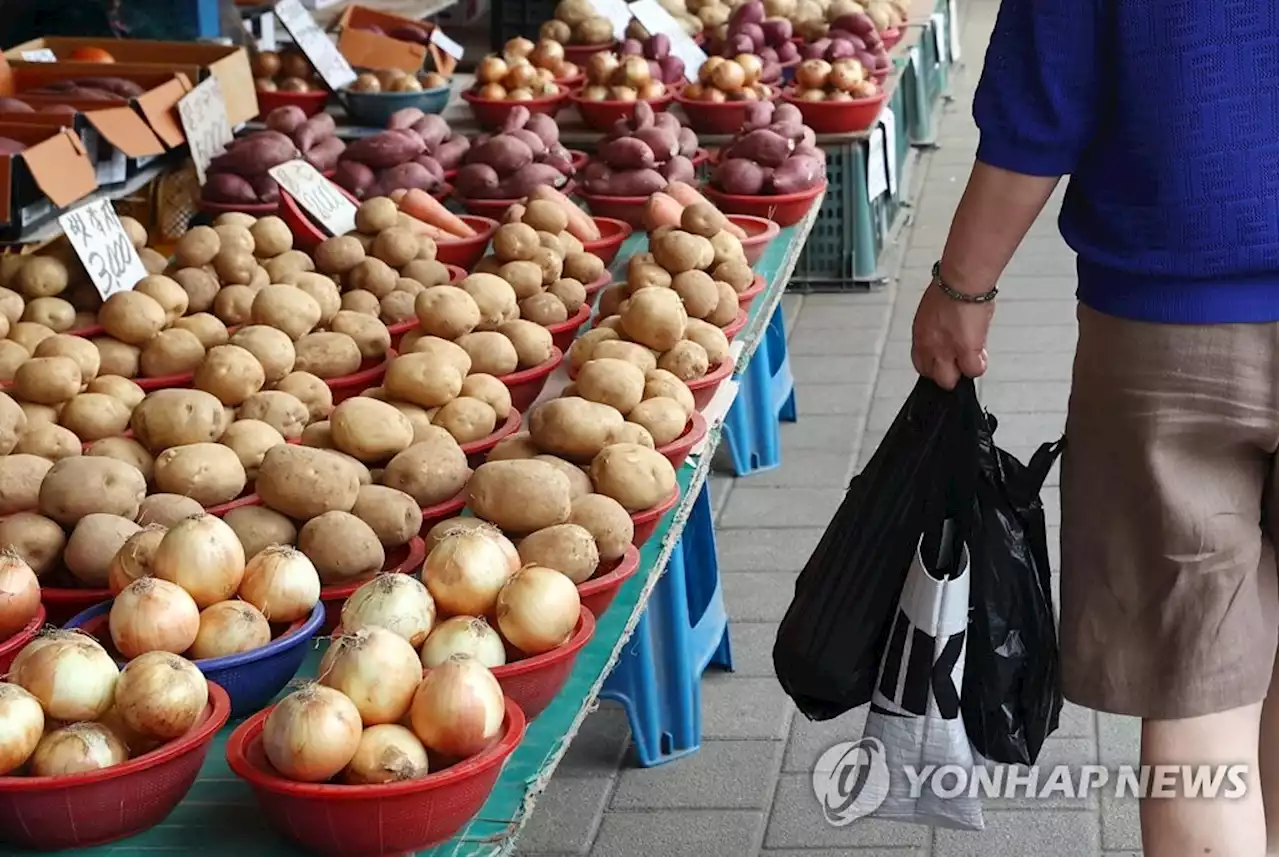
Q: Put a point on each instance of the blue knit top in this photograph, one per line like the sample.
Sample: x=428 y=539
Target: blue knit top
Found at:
x=1164 y=113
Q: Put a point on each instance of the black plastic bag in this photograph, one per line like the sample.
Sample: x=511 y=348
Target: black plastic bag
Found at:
x=829 y=644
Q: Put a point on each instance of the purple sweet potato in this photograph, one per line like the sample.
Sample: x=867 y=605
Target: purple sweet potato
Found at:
x=450 y=153
x=266 y=188
x=810 y=150
x=532 y=140
x=739 y=176
x=432 y=129
x=118 y=85
x=665 y=145
x=747 y=13
x=324 y=155
x=755 y=32
x=815 y=50
x=385 y=149
x=10 y=146
x=409 y=33
x=797 y=173
x=672 y=69
x=355 y=177
x=404 y=117
x=545 y=127
x=563 y=165
x=686 y=142
x=317 y=128
x=667 y=122
x=764 y=147
x=228 y=187
x=740 y=44
x=408 y=176
x=476 y=181
x=787 y=51
x=776 y=30
x=504 y=152
x=286 y=119
x=657 y=46
x=840 y=49
x=636 y=183
x=522 y=182
x=771 y=72
x=627 y=153
x=59 y=109
x=678 y=169
x=13 y=105
x=432 y=166
x=517 y=118
x=642 y=116
x=787 y=113
x=255 y=154
x=632 y=48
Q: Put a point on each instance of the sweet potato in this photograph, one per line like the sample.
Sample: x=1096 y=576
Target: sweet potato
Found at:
x=662 y=210
x=627 y=153
x=404 y=118
x=408 y=175
x=663 y=143
x=505 y=153
x=523 y=181
x=409 y=33
x=545 y=127
x=678 y=169
x=476 y=181
x=450 y=153
x=532 y=140
x=564 y=166
x=324 y=155
x=431 y=165
x=739 y=176
x=228 y=187
x=517 y=118
x=10 y=146
x=255 y=154
x=432 y=129
x=642 y=116
x=116 y=85
x=686 y=195
x=667 y=122
x=266 y=188
x=355 y=177
x=13 y=105
x=286 y=119
x=385 y=149
x=798 y=173
x=636 y=183
x=314 y=130
x=764 y=147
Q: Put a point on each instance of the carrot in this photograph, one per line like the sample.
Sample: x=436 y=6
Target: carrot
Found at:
x=662 y=210
x=688 y=195
x=581 y=226
x=422 y=205
x=421 y=228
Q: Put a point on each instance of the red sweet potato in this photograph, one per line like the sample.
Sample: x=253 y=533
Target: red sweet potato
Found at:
x=324 y=155
x=355 y=177
x=797 y=173
x=317 y=128
x=408 y=176
x=432 y=166
x=385 y=149
x=286 y=119
x=503 y=152
x=255 y=154
x=266 y=188
x=627 y=153
x=476 y=181
x=11 y=147
x=228 y=187
x=635 y=183
x=532 y=140
x=118 y=85
x=517 y=118
x=522 y=182
x=687 y=142
x=432 y=129
x=13 y=105
x=678 y=169
x=739 y=176
x=404 y=118
x=664 y=144
x=764 y=147
x=545 y=127
x=450 y=153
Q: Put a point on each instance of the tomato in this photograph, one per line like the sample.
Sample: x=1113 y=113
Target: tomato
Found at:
x=91 y=55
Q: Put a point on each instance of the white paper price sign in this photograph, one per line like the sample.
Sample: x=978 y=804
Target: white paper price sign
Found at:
x=655 y=19
x=877 y=164
x=446 y=44
x=618 y=14
x=323 y=54
x=953 y=18
x=103 y=246
x=203 y=112
x=940 y=36
x=889 y=123
x=318 y=196
x=42 y=55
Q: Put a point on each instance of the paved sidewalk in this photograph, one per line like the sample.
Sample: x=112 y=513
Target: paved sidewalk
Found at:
x=748 y=791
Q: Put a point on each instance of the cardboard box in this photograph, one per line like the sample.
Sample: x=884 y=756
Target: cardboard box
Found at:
x=52 y=174
x=229 y=64
x=371 y=47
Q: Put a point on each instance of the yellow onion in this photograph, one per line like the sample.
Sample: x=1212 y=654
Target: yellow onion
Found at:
x=471 y=636
x=19 y=594
x=282 y=582
x=76 y=749
x=312 y=734
x=458 y=708
x=21 y=725
x=160 y=695
x=538 y=609
x=153 y=615
x=467 y=569
x=229 y=628
x=74 y=678
x=43 y=638
x=203 y=555
x=133 y=560
x=376 y=669
x=397 y=602
x=387 y=753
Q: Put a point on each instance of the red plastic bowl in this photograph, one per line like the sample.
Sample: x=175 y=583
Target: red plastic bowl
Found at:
x=442 y=511
x=526 y=385
x=62 y=603
x=371 y=821
x=612 y=233
x=563 y=334
x=747 y=298
x=579 y=54
x=534 y=681
x=704 y=388
x=786 y=209
x=678 y=450
x=257 y=209
x=497 y=208
x=88 y=332
x=598 y=592
x=9 y=648
x=839 y=117
x=760 y=232
x=735 y=327
x=646 y=522
x=476 y=450
x=465 y=252
x=711 y=117
x=628 y=209
x=491 y=114
x=601 y=115
x=594 y=288
x=578 y=158
x=369 y=375
x=83 y=810
x=166 y=382
x=306 y=234
x=250 y=499
x=404 y=559
x=311 y=102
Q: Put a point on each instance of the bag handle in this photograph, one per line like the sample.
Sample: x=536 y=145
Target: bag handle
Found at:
x=1040 y=464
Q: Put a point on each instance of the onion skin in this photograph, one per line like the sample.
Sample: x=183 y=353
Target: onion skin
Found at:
x=458 y=709
x=19 y=594
x=74 y=679
x=153 y=615
x=229 y=628
x=21 y=726
x=44 y=638
x=388 y=753
x=312 y=734
x=465 y=572
x=282 y=582
x=160 y=695
x=397 y=602
x=133 y=560
x=376 y=669
x=464 y=635
x=538 y=609
x=76 y=749
x=203 y=555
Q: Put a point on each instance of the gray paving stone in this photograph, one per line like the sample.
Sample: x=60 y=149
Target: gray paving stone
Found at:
x=758 y=596
x=813 y=400
x=1052 y=264
x=797 y=822
x=1034 y=313
x=1029 y=429
x=1119 y=739
x=1036 y=288
x=1014 y=397
x=791 y=305
x=775 y=550
x=680 y=833
x=736 y=707
x=780 y=507
x=882 y=414
x=1076 y=721
x=599 y=745
x=842 y=852
x=721 y=775
x=811 y=738
x=834 y=433
x=752 y=646
x=806 y=467
x=1012 y=833
x=1120 y=828
x=567 y=815
x=895 y=384
x=1036 y=339
x=855 y=312
x=836 y=341
x=870 y=442
x=721 y=486
x=1053 y=535
x=810 y=369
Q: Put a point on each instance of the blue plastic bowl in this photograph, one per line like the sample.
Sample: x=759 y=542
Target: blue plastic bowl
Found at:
x=373 y=109
x=252 y=679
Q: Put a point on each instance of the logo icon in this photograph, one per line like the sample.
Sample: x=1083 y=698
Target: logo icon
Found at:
x=851 y=780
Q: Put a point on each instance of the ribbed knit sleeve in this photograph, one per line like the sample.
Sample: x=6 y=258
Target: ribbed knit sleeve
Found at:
x=1038 y=100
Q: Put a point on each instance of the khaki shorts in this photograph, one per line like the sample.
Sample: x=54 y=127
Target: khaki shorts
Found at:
x=1169 y=517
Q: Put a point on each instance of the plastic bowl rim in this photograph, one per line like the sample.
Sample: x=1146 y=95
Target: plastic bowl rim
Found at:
x=583 y=630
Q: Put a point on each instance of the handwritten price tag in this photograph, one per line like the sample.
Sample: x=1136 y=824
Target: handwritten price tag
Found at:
x=318 y=196
x=42 y=55
x=320 y=50
x=655 y=19
x=103 y=246
x=203 y=112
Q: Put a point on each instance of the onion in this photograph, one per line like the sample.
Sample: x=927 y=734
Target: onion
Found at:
x=538 y=609
x=312 y=734
x=137 y=744
x=21 y=725
x=397 y=602
x=153 y=615
x=19 y=594
x=74 y=678
x=387 y=753
x=44 y=638
x=376 y=669
x=133 y=560
x=464 y=635
x=76 y=749
x=160 y=695
x=229 y=628
x=203 y=555
x=466 y=570
x=281 y=582
x=458 y=708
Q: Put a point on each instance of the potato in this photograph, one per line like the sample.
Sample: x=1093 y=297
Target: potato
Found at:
x=323 y=290
x=370 y=430
x=54 y=313
x=47 y=380
x=579 y=481
x=92 y=416
x=176 y=417
x=727 y=309
x=369 y=334
x=687 y=360
x=250 y=440
x=665 y=419
x=491 y=352
x=515 y=242
x=234 y=305
x=637 y=477
x=79 y=486
x=513 y=447
x=124 y=449
x=545 y=309
x=198 y=246
x=271 y=237
x=165 y=510
x=207 y=328
x=423 y=379
x=646 y=275
x=309 y=389
x=342 y=547
x=533 y=343
x=655 y=318
x=93 y=544
x=317 y=435
x=12 y=355
x=584 y=346
x=425 y=273
x=431 y=470
x=286 y=308
x=208 y=473
x=467 y=419
x=631 y=433
x=282 y=411
x=171 y=353
x=50 y=441
x=736 y=273
x=13 y=422
x=635 y=354
x=20 y=478
x=40 y=277
x=397 y=246
x=489 y=390
x=611 y=382
x=132 y=317
x=397 y=307
x=117 y=358
x=375 y=215
x=661 y=383
x=303 y=482
x=698 y=291
x=258 y=528
x=11 y=303
x=28 y=334
x=122 y=389
x=709 y=338
x=230 y=373
x=235 y=266
x=168 y=293
x=519 y=496
x=36 y=539
x=568 y=548
x=358 y=300
x=494 y=297
x=39 y=415
x=393 y=515
x=572 y=428
x=328 y=355
x=374 y=276
x=273 y=349
x=338 y=255
x=569 y=292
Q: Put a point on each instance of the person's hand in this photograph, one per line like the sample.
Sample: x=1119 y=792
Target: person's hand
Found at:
x=949 y=338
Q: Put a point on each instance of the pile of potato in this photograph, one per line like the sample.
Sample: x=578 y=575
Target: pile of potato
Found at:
x=576 y=22
x=525 y=154
x=641 y=155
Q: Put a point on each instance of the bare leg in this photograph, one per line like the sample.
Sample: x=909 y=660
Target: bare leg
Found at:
x=1268 y=749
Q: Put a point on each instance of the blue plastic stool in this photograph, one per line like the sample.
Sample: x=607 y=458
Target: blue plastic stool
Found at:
x=766 y=394
x=682 y=631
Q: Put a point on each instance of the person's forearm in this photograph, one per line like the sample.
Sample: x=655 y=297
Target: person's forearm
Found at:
x=997 y=209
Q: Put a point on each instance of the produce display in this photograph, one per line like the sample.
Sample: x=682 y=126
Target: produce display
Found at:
x=740 y=78
x=676 y=9
x=774 y=153
x=513 y=78
x=239 y=175
x=284 y=71
x=525 y=154
x=663 y=65
x=87 y=88
x=396 y=80
x=842 y=80
x=815 y=19
x=576 y=22
x=394 y=159
x=546 y=55
x=313 y=135
x=751 y=32
x=851 y=36
x=642 y=155
x=629 y=77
